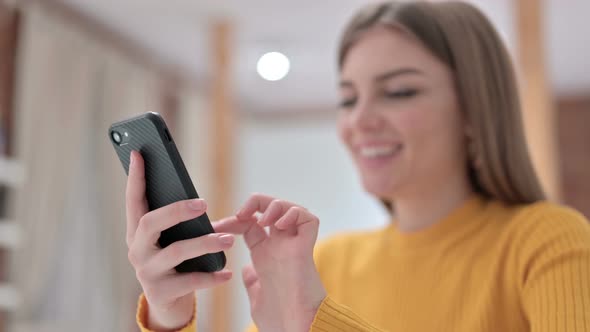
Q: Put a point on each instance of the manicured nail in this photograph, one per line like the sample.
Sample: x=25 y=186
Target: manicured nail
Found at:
x=197 y=204
x=226 y=239
x=225 y=274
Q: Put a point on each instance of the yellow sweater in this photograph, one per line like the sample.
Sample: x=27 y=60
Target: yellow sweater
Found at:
x=485 y=267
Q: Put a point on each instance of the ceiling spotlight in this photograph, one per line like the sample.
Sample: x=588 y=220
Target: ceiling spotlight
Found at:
x=273 y=66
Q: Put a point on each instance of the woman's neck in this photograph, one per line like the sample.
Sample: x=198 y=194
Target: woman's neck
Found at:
x=426 y=207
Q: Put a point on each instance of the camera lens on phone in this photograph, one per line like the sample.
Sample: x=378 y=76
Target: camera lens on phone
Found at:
x=116 y=137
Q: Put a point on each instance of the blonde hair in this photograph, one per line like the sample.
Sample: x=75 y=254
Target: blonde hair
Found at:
x=464 y=39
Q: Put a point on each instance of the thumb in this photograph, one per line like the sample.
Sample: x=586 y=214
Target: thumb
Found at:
x=250 y=279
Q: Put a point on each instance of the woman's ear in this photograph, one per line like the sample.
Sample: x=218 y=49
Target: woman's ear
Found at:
x=473 y=152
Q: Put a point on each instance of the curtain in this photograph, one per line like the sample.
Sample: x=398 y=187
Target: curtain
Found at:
x=71 y=271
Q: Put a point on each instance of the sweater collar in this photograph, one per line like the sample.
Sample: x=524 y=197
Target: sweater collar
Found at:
x=463 y=217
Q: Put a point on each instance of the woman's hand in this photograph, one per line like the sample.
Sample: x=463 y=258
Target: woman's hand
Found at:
x=283 y=284
x=170 y=295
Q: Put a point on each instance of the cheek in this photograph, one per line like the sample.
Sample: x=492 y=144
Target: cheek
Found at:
x=410 y=124
x=423 y=129
x=431 y=134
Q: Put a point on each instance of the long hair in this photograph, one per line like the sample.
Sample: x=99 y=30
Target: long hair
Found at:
x=463 y=38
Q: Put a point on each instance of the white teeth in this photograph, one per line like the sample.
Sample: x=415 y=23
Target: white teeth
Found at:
x=381 y=151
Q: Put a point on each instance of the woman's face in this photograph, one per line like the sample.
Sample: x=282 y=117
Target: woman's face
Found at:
x=399 y=115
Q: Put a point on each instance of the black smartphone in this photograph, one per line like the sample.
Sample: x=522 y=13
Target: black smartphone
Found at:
x=167 y=181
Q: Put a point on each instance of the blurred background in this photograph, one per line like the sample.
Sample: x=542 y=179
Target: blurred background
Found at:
x=244 y=120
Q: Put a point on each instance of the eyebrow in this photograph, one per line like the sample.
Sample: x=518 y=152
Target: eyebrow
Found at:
x=388 y=75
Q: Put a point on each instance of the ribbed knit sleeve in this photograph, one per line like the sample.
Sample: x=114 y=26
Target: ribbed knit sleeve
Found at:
x=332 y=317
x=142 y=314
x=555 y=270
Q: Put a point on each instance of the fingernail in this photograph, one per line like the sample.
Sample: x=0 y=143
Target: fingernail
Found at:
x=226 y=239
x=197 y=204
x=279 y=223
x=131 y=159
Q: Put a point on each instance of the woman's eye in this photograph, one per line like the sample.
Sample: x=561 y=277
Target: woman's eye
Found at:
x=404 y=93
x=348 y=103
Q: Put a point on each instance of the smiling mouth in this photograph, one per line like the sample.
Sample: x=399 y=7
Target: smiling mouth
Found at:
x=379 y=152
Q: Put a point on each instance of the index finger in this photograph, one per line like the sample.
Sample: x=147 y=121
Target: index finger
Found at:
x=135 y=194
x=253 y=233
x=234 y=225
x=256 y=203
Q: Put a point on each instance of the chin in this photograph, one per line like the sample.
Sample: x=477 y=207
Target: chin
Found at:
x=381 y=188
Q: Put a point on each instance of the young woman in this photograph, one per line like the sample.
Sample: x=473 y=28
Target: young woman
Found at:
x=430 y=114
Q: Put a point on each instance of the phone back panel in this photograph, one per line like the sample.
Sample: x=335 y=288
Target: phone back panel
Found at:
x=167 y=181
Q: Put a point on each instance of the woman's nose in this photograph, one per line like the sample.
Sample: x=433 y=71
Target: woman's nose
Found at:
x=366 y=117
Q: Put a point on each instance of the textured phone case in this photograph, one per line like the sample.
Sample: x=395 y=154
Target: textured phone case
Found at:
x=167 y=181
